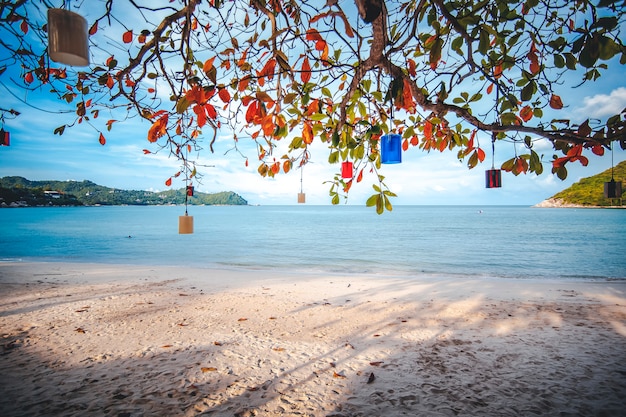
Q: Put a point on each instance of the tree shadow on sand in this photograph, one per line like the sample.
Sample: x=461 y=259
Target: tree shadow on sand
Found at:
x=357 y=354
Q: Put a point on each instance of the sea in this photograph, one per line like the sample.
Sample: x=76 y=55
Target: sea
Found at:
x=433 y=242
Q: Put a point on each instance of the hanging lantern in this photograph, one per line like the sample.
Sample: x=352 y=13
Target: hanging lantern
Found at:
x=68 y=39
x=190 y=191
x=391 y=148
x=613 y=189
x=185 y=224
x=301 y=198
x=493 y=178
x=346 y=169
x=5 y=139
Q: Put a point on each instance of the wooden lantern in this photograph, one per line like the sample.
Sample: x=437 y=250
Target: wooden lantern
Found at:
x=346 y=169
x=5 y=138
x=493 y=178
x=301 y=198
x=391 y=148
x=185 y=224
x=613 y=189
x=68 y=38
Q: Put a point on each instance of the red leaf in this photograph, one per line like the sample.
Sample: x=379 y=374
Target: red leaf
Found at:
x=168 y=182
x=29 y=77
x=110 y=81
x=598 y=150
x=210 y=111
x=146 y=152
x=94 y=28
x=24 y=26
x=102 y=140
x=305 y=75
x=128 y=36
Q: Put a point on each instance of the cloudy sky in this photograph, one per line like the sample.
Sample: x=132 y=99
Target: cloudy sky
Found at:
x=423 y=178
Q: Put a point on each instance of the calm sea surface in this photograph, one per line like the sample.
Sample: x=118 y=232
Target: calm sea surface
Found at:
x=492 y=241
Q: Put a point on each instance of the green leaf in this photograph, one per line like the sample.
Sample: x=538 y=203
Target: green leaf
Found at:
x=372 y=200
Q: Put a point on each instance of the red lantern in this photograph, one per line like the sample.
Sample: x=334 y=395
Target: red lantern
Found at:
x=190 y=190
x=5 y=139
x=346 y=169
x=493 y=178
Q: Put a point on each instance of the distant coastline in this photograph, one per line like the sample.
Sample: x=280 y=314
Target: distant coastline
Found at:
x=16 y=192
x=559 y=203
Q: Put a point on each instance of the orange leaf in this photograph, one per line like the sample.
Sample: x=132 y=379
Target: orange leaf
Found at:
x=481 y=155
x=146 y=152
x=224 y=95
x=412 y=67
x=94 y=28
x=252 y=111
x=208 y=369
x=168 y=182
x=359 y=177
x=29 y=77
x=526 y=113
x=286 y=166
x=102 y=140
x=243 y=83
x=141 y=38
x=490 y=89
x=428 y=130
x=128 y=36
x=405 y=145
x=158 y=129
x=151 y=90
x=305 y=75
x=555 y=102
x=110 y=81
x=307 y=134
x=208 y=64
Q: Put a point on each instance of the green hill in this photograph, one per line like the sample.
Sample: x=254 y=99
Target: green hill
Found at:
x=18 y=191
x=589 y=192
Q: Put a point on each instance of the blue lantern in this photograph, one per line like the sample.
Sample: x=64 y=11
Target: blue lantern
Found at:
x=391 y=148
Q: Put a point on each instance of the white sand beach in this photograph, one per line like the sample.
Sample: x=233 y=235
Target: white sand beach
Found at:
x=126 y=341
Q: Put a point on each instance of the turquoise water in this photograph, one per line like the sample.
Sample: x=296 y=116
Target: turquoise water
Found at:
x=491 y=241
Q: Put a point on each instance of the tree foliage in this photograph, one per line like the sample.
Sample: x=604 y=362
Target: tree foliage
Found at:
x=286 y=74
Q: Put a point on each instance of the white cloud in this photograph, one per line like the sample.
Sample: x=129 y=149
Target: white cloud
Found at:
x=603 y=105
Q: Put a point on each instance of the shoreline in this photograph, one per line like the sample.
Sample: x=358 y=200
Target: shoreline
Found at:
x=129 y=340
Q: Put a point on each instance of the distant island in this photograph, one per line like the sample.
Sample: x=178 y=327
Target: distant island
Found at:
x=20 y=192
x=589 y=192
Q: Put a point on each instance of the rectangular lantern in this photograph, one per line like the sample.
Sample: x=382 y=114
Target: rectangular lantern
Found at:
x=346 y=169
x=391 y=148
x=613 y=189
x=493 y=178
x=5 y=139
x=185 y=224
x=190 y=190
x=301 y=198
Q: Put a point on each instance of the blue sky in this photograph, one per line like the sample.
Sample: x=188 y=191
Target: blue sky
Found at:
x=423 y=178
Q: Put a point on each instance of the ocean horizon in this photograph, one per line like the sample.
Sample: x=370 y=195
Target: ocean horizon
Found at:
x=510 y=242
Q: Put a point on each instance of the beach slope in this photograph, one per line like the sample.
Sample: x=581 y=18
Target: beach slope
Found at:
x=118 y=340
